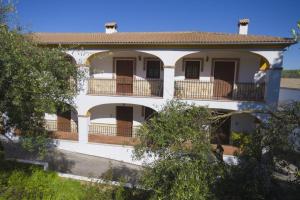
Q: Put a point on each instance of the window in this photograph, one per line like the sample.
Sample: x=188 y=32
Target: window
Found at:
x=192 y=69
x=153 y=69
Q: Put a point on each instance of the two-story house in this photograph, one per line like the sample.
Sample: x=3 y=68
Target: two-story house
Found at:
x=133 y=74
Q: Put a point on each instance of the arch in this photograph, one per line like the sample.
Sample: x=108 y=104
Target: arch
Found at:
x=169 y=57
x=94 y=55
x=274 y=58
x=70 y=58
x=265 y=61
x=88 y=109
x=106 y=53
x=248 y=65
x=109 y=110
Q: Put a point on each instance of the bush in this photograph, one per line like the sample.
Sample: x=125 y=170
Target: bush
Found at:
x=26 y=182
x=40 y=185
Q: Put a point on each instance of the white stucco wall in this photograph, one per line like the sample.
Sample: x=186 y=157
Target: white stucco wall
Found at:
x=107 y=114
x=102 y=64
x=242 y=123
x=248 y=64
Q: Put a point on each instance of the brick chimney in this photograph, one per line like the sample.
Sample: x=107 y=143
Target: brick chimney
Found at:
x=111 y=27
x=243 y=26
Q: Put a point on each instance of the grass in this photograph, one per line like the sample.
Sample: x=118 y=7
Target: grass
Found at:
x=26 y=182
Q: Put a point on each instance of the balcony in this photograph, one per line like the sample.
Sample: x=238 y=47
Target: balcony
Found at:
x=195 y=89
x=65 y=131
x=112 y=134
x=148 y=87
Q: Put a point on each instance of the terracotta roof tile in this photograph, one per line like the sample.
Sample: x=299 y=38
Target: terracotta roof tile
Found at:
x=164 y=38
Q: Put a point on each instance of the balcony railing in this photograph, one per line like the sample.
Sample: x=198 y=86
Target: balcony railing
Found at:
x=148 y=87
x=195 y=89
x=112 y=134
x=66 y=131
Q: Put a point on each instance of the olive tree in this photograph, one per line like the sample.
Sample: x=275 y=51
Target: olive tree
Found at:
x=265 y=152
x=178 y=138
x=33 y=79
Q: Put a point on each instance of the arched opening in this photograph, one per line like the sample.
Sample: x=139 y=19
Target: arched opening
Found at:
x=226 y=131
x=117 y=123
x=225 y=75
x=129 y=73
x=63 y=124
x=70 y=59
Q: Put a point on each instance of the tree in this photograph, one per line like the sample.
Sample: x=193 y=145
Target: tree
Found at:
x=178 y=138
x=262 y=154
x=33 y=80
x=295 y=32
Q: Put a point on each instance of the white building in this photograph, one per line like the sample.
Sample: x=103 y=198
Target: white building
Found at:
x=130 y=75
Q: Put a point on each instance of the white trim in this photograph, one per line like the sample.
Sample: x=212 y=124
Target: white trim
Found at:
x=34 y=162
x=93 y=180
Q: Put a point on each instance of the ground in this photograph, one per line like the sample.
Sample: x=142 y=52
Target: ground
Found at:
x=75 y=163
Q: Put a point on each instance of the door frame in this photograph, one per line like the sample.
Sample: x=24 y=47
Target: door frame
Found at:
x=116 y=109
x=236 y=68
x=115 y=59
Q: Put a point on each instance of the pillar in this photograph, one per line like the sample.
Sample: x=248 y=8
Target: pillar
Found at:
x=169 y=82
x=272 y=89
x=83 y=128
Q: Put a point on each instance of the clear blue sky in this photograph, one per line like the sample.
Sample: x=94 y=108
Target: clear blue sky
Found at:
x=267 y=17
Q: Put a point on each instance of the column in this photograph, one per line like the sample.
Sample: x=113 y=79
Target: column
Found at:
x=83 y=128
x=272 y=89
x=169 y=84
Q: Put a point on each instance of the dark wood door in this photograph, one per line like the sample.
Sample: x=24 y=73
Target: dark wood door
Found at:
x=124 y=70
x=223 y=79
x=64 y=120
x=124 y=121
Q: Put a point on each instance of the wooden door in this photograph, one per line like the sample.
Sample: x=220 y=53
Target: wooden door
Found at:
x=64 y=120
x=223 y=79
x=124 y=121
x=124 y=70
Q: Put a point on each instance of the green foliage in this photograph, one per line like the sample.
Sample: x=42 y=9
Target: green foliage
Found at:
x=240 y=139
x=25 y=181
x=5 y=8
x=33 y=80
x=40 y=185
x=291 y=73
x=178 y=137
x=253 y=177
x=295 y=32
